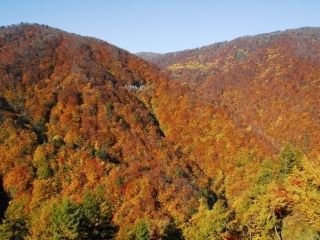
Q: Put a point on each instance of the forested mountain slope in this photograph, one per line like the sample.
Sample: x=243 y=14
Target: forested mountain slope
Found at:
x=72 y=122
x=268 y=86
x=96 y=143
x=269 y=83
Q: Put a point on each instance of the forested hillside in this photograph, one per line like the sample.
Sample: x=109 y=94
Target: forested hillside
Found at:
x=269 y=83
x=220 y=143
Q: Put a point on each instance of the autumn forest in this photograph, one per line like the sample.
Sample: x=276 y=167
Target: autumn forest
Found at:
x=220 y=142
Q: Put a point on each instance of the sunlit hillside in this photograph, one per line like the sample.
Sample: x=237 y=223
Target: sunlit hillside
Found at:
x=220 y=142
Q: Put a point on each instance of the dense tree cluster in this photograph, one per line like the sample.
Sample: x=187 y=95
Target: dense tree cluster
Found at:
x=96 y=143
x=268 y=84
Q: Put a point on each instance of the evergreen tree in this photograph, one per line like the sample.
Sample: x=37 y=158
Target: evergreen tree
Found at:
x=140 y=231
x=66 y=221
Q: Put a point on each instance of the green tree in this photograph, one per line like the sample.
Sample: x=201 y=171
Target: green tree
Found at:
x=289 y=157
x=102 y=154
x=97 y=217
x=303 y=186
x=13 y=229
x=260 y=216
x=41 y=161
x=65 y=222
x=44 y=170
x=64 y=219
x=14 y=225
x=140 y=231
x=207 y=223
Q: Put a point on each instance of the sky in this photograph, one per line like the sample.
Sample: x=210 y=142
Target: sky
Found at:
x=163 y=25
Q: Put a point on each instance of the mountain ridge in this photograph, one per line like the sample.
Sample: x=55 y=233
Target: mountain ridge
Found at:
x=200 y=67
x=96 y=143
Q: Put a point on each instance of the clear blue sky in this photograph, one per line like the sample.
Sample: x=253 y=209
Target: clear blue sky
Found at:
x=163 y=25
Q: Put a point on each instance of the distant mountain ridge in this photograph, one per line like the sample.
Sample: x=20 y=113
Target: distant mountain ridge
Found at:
x=149 y=56
x=247 y=73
